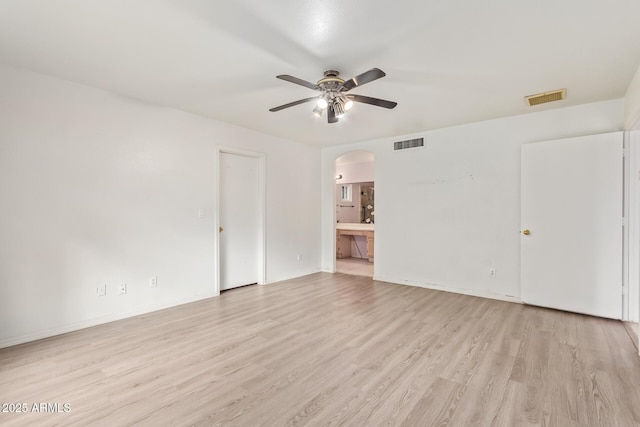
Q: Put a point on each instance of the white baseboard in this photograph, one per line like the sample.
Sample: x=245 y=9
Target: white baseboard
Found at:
x=298 y=274
x=63 y=329
x=470 y=292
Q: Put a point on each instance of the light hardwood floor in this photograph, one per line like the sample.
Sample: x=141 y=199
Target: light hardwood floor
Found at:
x=355 y=266
x=333 y=349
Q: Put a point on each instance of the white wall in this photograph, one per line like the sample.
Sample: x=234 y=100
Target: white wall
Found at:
x=632 y=103
x=355 y=172
x=97 y=188
x=448 y=212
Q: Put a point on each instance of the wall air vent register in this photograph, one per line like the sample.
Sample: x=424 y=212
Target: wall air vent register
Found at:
x=409 y=143
x=543 y=98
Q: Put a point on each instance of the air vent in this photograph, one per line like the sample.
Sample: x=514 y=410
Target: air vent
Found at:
x=542 y=98
x=409 y=143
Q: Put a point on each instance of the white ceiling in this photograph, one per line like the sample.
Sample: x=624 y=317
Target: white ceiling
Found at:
x=447 y=61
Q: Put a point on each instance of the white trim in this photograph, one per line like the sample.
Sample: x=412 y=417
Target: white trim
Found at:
x=334 y=219
x=633 y=221
x=262 y=186
x=460 y=291
x=626 y=201
x=216 y=223
x=48 y=333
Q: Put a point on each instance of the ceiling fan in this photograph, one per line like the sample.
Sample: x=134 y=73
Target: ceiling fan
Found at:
x=333 y=97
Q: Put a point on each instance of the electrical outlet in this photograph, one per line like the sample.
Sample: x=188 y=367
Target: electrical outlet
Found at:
x=492 y=273
x=153 y=281
x=299 y=257
x=122 y=289
x=101 y=290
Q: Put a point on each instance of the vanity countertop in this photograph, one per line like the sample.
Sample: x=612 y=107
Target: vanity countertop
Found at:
x=354 y=226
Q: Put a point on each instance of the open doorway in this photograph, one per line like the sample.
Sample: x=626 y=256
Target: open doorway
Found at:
x=355 y=213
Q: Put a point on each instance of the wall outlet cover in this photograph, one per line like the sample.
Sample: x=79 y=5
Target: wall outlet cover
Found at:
x=101 y=290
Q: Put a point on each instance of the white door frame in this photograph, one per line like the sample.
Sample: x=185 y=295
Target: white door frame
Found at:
x=632 y=220
x=261 y=157
x=630 y=270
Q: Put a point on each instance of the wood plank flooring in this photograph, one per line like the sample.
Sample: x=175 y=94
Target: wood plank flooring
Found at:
x=328 y=350
x=355 y=266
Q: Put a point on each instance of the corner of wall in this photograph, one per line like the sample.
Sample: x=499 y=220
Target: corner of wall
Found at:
x=632 y=103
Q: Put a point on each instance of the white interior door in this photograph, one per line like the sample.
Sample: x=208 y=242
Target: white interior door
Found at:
x=240 y=216
x=572 y=206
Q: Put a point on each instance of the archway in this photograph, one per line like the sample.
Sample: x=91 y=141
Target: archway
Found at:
x=355 y=213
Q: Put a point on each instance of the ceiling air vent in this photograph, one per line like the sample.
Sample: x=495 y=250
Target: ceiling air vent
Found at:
x=542 y=98
x=409 y=143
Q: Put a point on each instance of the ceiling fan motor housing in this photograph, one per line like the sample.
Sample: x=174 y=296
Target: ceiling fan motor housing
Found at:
x=331 y=81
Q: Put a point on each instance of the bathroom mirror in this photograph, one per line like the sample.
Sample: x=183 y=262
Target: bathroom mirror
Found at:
x=355 y=203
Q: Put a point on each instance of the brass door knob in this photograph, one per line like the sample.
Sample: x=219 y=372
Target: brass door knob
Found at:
x=526 y=232
x=220 y=229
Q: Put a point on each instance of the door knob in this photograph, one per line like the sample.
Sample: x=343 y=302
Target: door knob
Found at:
x=526 y=232
x=220 y=229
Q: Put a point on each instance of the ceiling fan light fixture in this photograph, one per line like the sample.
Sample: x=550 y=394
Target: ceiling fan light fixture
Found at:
x=347 y=103
x=332 y=93
x=322 y=103
x=338 y=108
